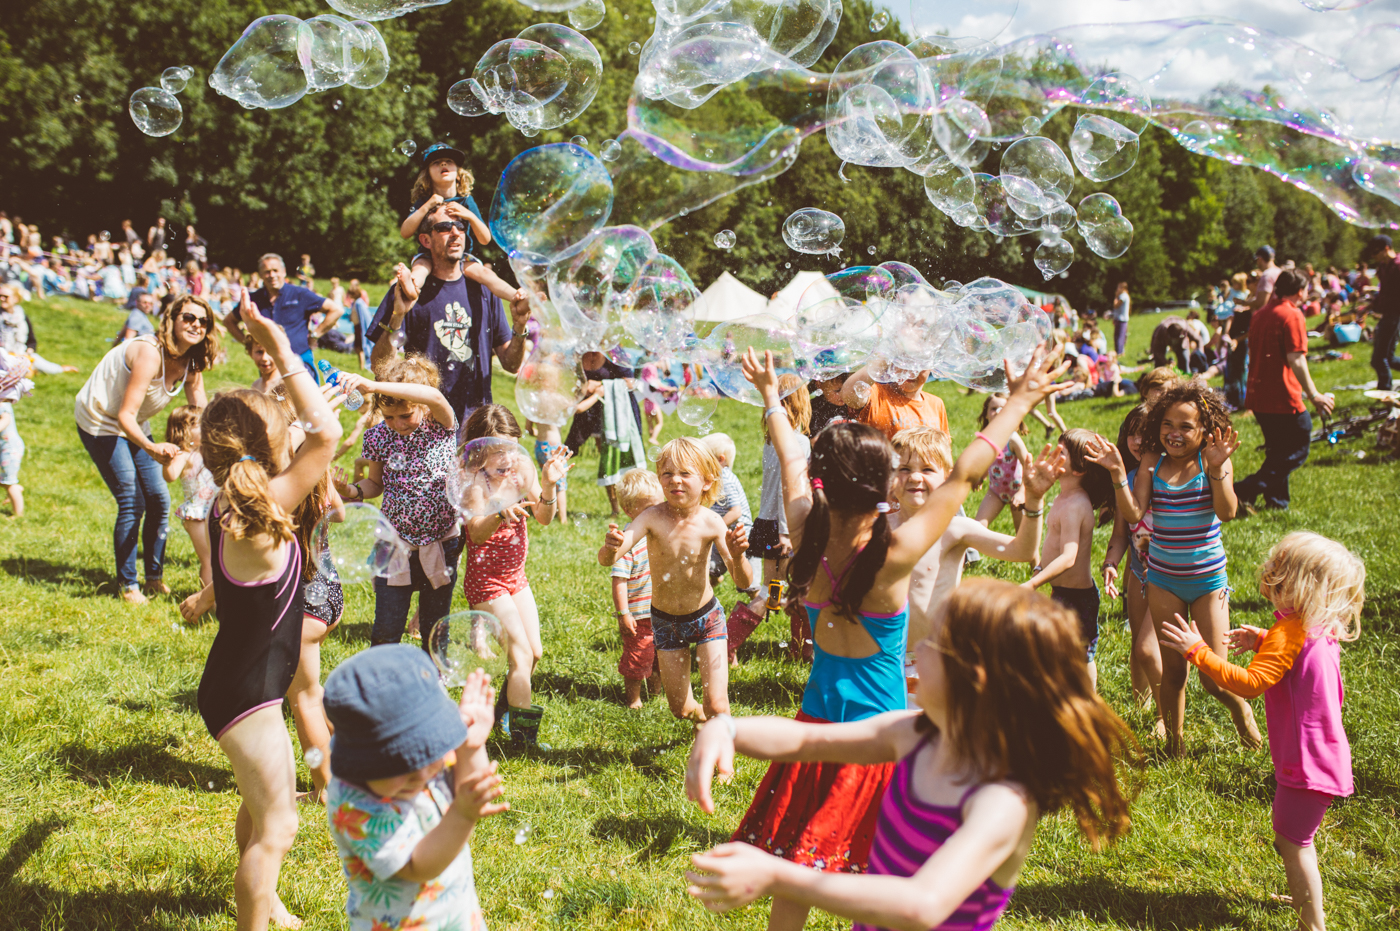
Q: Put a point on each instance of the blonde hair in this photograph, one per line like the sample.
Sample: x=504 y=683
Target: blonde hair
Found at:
x=244 y=443
x=721 y=445
x=177 y=428
x=931 y=445
x=797 y=404
x=1319 y=580
x=423 y=185
x=693 y=455
x=637 y=485
x=413 y=369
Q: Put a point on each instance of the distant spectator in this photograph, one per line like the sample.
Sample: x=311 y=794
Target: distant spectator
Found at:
x=196 y=248
x=155 y=236
x=306 y=272
x=140 y=321
x=1387 y=305
x=290 y=306
x=132 y=238
x=1122 y=305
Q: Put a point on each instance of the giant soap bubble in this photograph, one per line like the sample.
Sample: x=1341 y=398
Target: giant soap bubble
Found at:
x=465 y=641
x=264 y=67
x=723 y=351
x=541 y=79
x=495 y=473
x=155 y=111
x=879 y=104
x=379 y=9
x=550 y=199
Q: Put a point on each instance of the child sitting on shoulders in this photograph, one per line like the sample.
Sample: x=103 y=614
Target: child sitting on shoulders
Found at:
x=679 y=534
x=446 y=179
x=732 y=505
x=1317 y=588
x=637 y=490
x=1085 y=487
x=411 y=779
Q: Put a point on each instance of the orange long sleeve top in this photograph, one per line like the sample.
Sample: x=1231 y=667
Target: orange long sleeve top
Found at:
x=1277 y=649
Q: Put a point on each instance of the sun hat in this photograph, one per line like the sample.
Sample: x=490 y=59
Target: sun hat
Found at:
x=391 y=715
x=440 y=149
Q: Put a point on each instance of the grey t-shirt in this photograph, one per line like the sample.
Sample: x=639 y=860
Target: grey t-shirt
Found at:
x=137 y=322
x=732 y=495
x=770 y=499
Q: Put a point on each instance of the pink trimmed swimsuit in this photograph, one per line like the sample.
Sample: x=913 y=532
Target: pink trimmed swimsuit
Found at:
x=258 y=646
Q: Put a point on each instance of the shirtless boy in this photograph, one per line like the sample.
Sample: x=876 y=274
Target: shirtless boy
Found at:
x=679 y=533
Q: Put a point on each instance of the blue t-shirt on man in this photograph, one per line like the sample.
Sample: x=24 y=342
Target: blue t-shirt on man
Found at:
x=457 y=325
x=291 y=311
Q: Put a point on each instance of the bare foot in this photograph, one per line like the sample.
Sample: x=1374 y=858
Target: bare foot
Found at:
x=413 y=625
x=407 y=287
x=17 y=499
x=1285 y=899
x=1159 y=730
x=281 y=918
x=635 y=704
x=1248 y=730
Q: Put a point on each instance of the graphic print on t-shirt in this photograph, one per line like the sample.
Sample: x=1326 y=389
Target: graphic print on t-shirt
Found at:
x=454 y=331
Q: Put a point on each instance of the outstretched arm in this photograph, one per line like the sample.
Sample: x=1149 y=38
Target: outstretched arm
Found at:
x=797 y=490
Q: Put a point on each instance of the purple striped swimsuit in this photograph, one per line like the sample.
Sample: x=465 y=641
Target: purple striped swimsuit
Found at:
x=910 y=831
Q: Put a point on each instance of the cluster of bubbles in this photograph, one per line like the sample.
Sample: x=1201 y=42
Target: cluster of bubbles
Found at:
x=543 y=78
x=280 y=59
x=154 y=110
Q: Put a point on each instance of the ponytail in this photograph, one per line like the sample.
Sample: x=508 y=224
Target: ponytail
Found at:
x=251 y=509
x=244 y=443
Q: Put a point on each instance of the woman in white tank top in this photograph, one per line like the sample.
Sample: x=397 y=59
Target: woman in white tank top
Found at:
x=133 y=383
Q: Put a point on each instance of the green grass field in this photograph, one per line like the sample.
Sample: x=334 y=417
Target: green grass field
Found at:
x=117 y=809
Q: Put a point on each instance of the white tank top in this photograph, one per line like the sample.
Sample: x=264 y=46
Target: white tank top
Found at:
x=97 y=404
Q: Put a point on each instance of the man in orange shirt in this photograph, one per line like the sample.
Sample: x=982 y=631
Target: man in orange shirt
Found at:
x=891 y=408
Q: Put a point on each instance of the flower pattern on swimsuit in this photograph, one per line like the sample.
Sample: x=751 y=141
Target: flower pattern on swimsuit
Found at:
x=375 y=838
x=417 y=499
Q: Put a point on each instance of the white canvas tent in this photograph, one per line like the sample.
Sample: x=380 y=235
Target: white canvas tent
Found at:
x=784 y=303
x=728 y=298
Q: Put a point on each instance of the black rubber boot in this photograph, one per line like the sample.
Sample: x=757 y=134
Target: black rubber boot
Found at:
x=525 y=725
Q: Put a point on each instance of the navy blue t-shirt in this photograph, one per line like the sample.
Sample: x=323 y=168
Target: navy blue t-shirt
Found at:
x=457 y=325
x=292 y=312
x=466 y=201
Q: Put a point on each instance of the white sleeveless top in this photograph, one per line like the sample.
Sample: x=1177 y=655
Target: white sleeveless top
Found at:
x=97 y=404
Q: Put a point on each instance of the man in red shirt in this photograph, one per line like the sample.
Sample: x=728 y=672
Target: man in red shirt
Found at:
x=1278 y=379
x=891 y=408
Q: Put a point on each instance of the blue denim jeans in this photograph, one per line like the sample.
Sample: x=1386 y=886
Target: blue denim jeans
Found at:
x=391 y=602
x=1237 y=373
x=135 y=480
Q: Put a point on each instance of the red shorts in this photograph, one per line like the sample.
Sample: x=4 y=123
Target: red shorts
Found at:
x=638 y=652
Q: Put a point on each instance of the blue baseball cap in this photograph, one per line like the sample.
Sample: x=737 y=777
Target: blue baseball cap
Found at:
x=1264 y=252
x=442 y=150
x=391 y=715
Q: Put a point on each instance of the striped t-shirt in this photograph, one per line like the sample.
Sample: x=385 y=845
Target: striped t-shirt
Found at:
x=635 y=567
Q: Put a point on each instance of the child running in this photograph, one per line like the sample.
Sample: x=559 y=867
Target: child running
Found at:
x=631 y=591
x=445 y=179
x=684 y=611
x=412 y=780
x=850 y=574
x=1009 y=729
x=188 y=467
x=1317 y=588
x=1006 y=476
x=256 y=566
x=1085 y=487
x=497 y=543
x=1187 y=480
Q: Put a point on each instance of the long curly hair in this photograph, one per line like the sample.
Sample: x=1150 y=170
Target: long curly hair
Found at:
x=202 y=354
x=1196 y=392
x=244 y=441
x=423 y=185
x=855 y=465
x=1021 y=707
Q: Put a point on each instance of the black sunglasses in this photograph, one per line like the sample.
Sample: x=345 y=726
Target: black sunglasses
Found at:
x=446 y=225
x=188 y=317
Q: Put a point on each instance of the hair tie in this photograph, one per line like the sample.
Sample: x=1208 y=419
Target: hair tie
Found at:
x=883 y=507
x=247 y=458
x=817 y=484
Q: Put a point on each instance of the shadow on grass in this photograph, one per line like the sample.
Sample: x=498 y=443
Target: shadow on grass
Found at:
x=57 y=575
x=1103 y=902
x=654 y=837
x=590 y=760
x=35 y=905
x=151 y=762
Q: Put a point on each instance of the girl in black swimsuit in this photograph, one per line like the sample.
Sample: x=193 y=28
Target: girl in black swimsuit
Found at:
x=258 y=592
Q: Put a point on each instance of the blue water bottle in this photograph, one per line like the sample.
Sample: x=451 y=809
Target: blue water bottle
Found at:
x=353 y=398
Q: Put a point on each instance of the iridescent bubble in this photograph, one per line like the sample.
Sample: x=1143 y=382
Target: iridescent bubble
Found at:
x=879 y=21
x=324 y=52
x=591 y=287
x=546 y=383
x=610 y=150
x=357 y=548
x=175 y=78
x=1122 y=93
x=725 y=239
x=878 y=106
x=1035 y=171
x=408 y=147
x=1105 y=230
x=541 y=79
x=550 y=199
x=466 y=641
x=724 y=349
x=367 y=55
x=659 y=313
x=1103 y=148
x=264 y=67
x=337 y=105
x=494 y=473
x=634 y=48
x=155 y=112
x=1053 y=256
x=814 y=231
x=580 y=141
x=699 y=61
x=654 y=453
x=587 y=14
x=379 y=9
x=699 y=401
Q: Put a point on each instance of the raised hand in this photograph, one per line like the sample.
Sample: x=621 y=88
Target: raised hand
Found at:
x=1176 y=635
x=1038 y=381
x=1220 y=446
x=763 y=374
x=477 y=793
x=557 y=465
x=263 y=330
x=1102 y=452
x=1041 y=474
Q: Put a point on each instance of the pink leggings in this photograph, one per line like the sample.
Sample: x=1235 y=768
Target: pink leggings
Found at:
x=1298 y=814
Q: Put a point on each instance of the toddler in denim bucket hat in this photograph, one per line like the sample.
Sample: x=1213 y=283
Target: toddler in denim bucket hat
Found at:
x=410 y=779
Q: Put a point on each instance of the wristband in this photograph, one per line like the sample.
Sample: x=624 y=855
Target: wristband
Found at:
x=729 y=723
x=1027 y=512
x=1122 y=484
x=1214 y=479
x=549 y=502
x=771 y=411
x=996 y=450
x=301 y=371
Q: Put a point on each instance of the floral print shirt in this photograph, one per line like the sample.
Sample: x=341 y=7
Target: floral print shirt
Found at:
x=417 y=470
x=375 y=838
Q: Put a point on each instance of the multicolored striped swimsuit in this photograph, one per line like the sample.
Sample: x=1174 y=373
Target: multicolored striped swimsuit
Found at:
x=910 y=831
x=1185 y=556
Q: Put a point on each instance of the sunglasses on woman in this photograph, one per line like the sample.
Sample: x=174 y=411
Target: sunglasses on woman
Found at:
x=446 y=225
x=194 y=320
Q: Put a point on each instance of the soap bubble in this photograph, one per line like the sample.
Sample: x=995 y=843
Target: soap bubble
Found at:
x=723 y=353
x=580 y=141
x=546 y=383
x=991 y=322
x=870 y=250
x=522 y=834
x=379 y=9
x=879 y=21
x=611 y=150
x=367 y=54
x=495 y=473
x=1035 y=172
x=587 y=14
x=175 y=78
x=814 y=231
x=550 y=199
x=658 y=310
x=324 y=53
x=725 y=239
x=317 y=593
x=314 y=757
x=878 y=105
x=358 y=548
x=408 y=147
x=397 y=461
x=654 y=453
x=590 y=288
x=1053 y=256
x=1102 y=148
x=1123 y=94
x=155 y=112
x=337 y=105
x=1105 y=230
x=698 y=61
x=541 y=79
x=466 y=641
x=264 y=67
x=634 y=48
x=699 y=401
